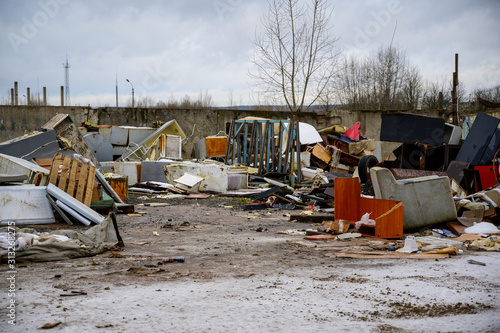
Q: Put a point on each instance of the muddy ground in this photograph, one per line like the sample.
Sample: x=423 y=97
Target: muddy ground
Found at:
x=239 y=275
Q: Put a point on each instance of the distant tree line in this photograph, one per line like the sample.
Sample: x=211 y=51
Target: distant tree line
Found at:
x=387 y=80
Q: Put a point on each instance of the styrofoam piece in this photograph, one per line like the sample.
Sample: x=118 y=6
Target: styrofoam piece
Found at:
x=426 y=200
x=87 y=212
x=72 y=212
x=25 y=204
x=189 y=182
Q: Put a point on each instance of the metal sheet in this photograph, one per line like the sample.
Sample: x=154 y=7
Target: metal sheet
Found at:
x=32 y=146
x=153 y=170
x=478 y=139
x=75 y=204
x=26 y=204
x=100 y=146
x=72 y=212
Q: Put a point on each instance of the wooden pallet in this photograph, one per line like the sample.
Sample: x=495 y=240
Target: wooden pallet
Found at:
x=75 y=178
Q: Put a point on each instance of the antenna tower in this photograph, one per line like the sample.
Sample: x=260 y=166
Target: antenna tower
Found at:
x=66 y=82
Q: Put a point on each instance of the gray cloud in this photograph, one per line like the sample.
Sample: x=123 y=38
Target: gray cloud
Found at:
x=186 y=46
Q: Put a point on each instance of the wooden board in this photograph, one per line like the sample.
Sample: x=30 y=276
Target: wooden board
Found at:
x=385 y=255
x=320 y=237
x=68 y=175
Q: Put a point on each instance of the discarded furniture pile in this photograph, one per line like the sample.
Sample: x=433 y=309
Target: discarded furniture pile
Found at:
x=435 y=183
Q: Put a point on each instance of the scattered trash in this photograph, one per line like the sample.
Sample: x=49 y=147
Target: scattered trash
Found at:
x=474 y=262
x=50 y=325
x=365 y=221
x=483 y=228
x=491 y=243
x=351 y=235
x=410 y=245
x=174 y=259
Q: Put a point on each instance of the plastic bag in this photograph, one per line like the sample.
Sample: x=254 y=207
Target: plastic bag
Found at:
x=482 y=228
x=365 y=220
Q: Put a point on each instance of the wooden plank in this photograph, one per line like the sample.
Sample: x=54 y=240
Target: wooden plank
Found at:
x=347 y=199
x=311 y=218
x=63 y=179
x=54 y=169
x=82 y=179
x=456 y=227
x=90 y=187
x=386 y=255
x=72 y=178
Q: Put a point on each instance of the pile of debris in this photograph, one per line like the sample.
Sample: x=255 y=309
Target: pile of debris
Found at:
x=435 y=182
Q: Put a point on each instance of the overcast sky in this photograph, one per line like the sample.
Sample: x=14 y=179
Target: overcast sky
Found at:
x=174 y=48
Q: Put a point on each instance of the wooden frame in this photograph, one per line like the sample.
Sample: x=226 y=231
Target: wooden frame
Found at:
x=73 y=177
x=350 y=205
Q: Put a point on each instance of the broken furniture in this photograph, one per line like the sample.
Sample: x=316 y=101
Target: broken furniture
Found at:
x=351 y=206
x=216 y=177
x=163 y=142
x=271 y=146
x=69 y=135
x=11 y=165
x=426 y=200
x=130 y=169
x=211 y=146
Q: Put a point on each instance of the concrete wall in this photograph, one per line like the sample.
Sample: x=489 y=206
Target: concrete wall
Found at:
x=17 y=120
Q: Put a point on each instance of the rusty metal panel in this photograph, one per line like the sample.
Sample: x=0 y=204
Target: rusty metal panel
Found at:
x=216 y=146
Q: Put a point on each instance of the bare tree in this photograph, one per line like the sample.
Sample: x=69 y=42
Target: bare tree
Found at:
x=386 y=80
x=295 y=56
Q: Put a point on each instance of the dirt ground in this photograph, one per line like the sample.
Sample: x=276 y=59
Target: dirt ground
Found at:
x=239 y=275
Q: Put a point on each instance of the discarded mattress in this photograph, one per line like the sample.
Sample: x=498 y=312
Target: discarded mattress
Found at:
x=54 y=247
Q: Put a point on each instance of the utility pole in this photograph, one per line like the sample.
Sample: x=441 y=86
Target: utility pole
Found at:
x=454 y=94
x=116 y=89
x=132 y=92
x=16 y=94
x=62 y=95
